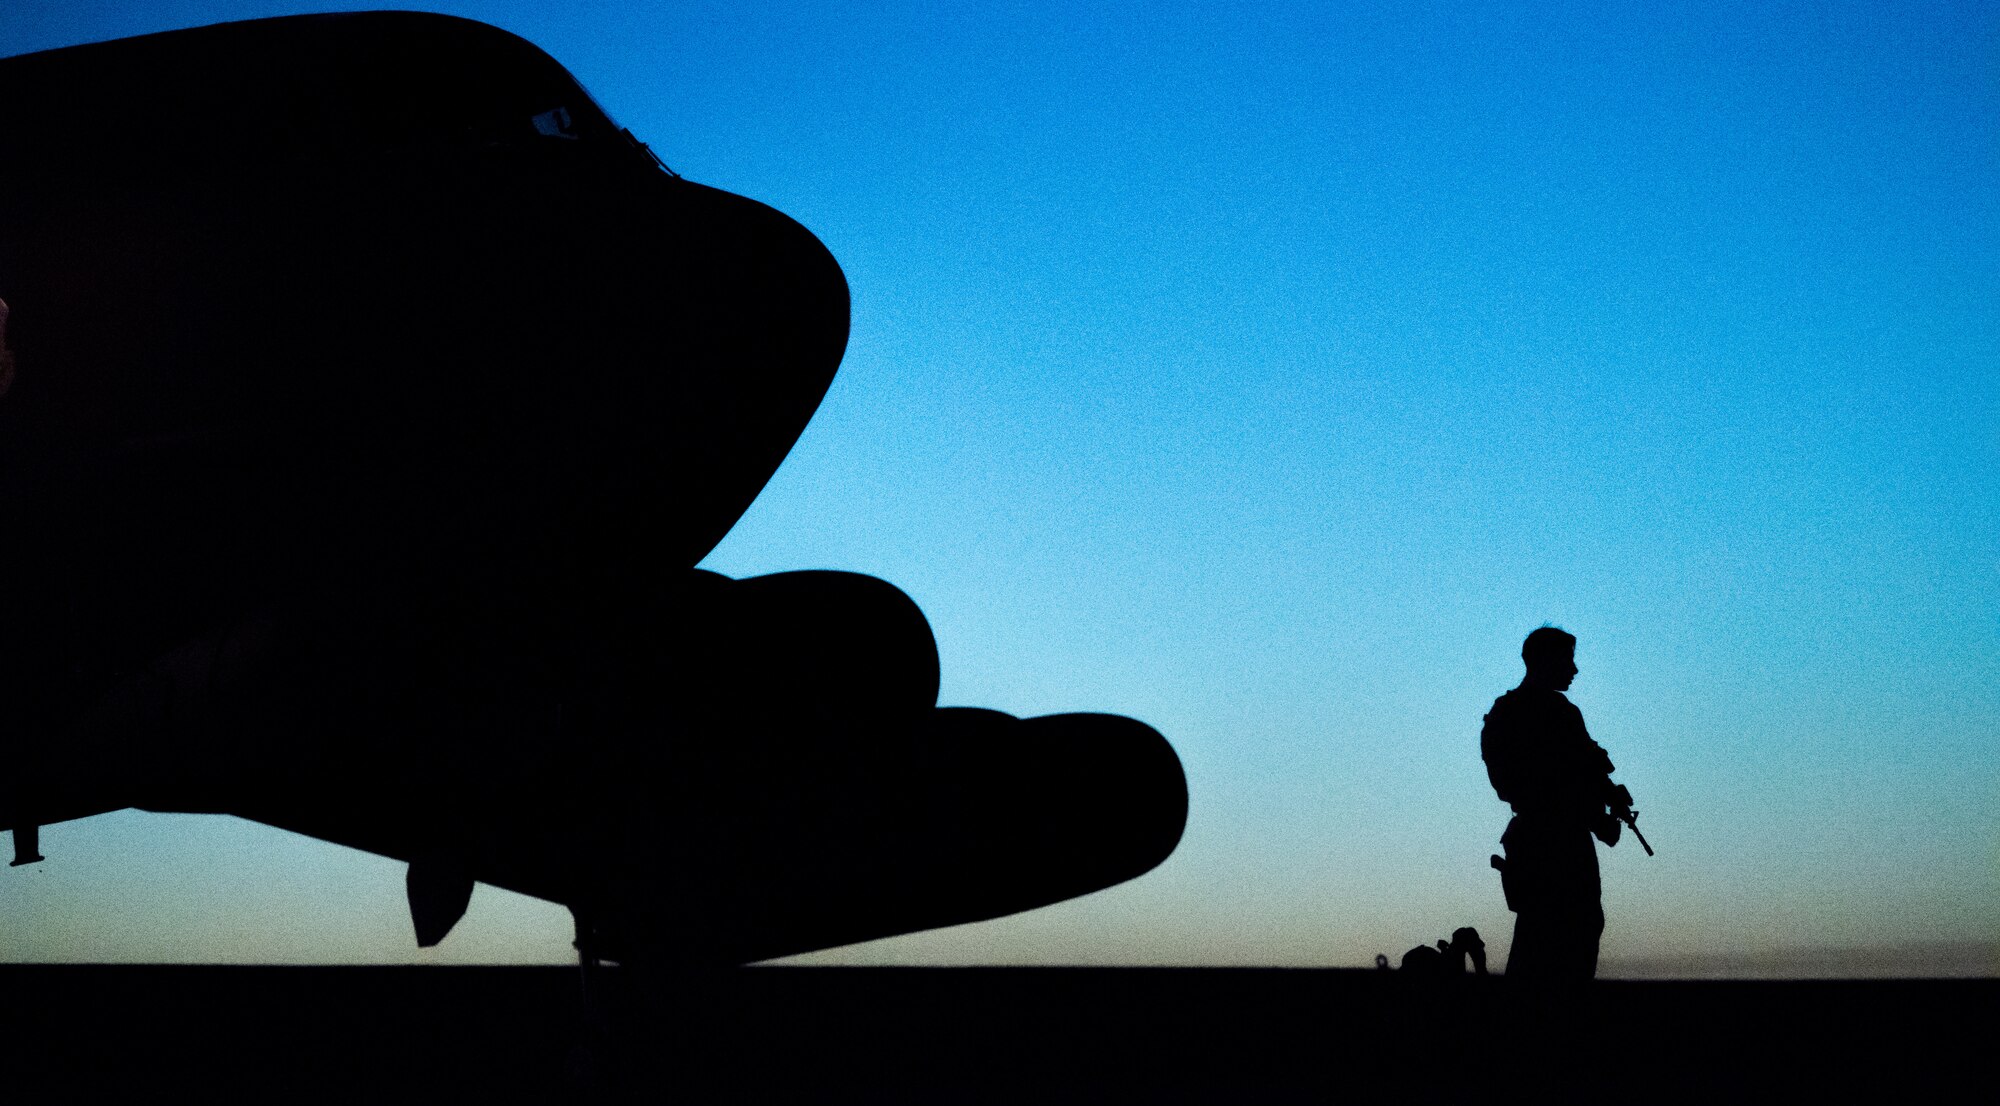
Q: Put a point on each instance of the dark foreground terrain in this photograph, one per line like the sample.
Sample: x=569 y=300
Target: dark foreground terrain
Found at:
x=971 y=1035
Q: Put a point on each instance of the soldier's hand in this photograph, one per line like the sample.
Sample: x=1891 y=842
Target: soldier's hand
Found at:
x=1607 y=827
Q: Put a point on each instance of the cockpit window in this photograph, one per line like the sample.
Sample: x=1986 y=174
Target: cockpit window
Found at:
x=556 y=123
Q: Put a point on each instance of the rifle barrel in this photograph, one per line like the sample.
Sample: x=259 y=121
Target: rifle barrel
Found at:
x=1633 y=822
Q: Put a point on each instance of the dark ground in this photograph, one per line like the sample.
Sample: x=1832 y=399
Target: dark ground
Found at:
x=972 y=1035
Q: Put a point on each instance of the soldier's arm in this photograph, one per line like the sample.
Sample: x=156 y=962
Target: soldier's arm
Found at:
x=1593 y=754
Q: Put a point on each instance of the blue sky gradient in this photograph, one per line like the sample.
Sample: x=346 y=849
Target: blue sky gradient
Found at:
x=1266 y=372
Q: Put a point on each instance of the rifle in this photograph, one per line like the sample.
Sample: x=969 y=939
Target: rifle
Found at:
x=1621 y=809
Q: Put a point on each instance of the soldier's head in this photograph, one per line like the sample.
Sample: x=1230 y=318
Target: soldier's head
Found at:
x=1551 y=658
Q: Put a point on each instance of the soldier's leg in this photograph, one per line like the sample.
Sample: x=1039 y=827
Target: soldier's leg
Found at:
x=1596 y=922
x=1581 y=923
x=1573 y=940
x=1527 y=959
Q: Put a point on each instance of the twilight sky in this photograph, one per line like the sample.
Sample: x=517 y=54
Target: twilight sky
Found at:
x=1266 y=372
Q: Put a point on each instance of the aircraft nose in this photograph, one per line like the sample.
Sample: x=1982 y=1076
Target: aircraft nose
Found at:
x=603 y=398
x=731 y=320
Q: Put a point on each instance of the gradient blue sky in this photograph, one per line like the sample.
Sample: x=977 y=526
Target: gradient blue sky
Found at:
x=1266 y=372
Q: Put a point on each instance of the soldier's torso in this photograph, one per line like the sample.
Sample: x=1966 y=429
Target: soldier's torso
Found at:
x=1540 y=757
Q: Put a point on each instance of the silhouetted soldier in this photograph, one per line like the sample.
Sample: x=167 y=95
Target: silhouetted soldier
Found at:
x=1543 y=762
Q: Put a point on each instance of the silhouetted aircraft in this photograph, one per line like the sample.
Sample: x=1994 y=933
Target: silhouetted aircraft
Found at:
x=373 y=396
